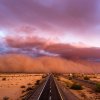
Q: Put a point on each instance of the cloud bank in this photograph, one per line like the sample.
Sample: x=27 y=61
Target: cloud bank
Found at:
x=66 y=20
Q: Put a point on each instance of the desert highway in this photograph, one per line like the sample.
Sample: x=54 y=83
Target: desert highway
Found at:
x=49 y=91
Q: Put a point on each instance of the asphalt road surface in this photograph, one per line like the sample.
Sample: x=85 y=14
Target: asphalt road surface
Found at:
x=50 y=91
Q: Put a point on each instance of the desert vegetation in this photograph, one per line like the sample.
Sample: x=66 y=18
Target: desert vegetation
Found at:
x=12 y=86
x=82 y=91
x=76 y=86
x=97 y=87
x=22 y=86
x=37 y=82
x=6 y=98
x=86 y=78
x=3 y=79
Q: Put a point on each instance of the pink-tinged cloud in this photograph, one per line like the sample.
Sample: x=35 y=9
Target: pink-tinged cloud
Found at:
x=72 y=51
x=53 y=18
x=22 y=42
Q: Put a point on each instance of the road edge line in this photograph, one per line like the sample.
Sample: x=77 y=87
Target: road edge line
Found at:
x=43 y=88
x=58 y=90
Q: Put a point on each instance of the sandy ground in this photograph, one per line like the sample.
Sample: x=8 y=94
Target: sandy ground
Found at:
x=95 y=79
x=85 y=94
x=65 y=81
x=11 y=87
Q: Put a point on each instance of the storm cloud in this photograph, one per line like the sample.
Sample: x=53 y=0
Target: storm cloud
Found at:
x=53 y=18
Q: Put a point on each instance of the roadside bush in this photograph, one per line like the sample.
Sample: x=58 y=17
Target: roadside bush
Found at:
x=23 y=99
x=97 y=87
x=37 y=82
x=94 y=77
x=23 y=91
x=68 y=84
x=43 y=76
x=58 y=79
x=70 y=78
x=76 y=86
x=29 y=88
x=86 y=78
x=23 y=86
x=74 y=75
x=5 y=98
x=4 y=79
x=29 y=84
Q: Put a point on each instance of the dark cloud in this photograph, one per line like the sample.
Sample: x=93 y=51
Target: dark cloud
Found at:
x=71 y=52
x=24 y=42
x=40 y=46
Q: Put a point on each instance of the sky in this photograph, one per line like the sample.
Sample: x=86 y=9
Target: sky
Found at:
x=74 y=22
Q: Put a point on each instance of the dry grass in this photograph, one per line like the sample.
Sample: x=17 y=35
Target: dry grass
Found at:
x=15 y=84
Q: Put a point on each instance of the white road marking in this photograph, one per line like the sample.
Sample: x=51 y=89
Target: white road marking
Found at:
x=50 y=90
x=58 y=90
x=50 y=98
x=43 y=87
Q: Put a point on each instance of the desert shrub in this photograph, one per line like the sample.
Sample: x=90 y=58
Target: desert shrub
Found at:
x=23 y=91
x=4 y=79
x=5 y=98
x=76 y=86
x=22 y=86
x=97 y=87
x=68 y=84
x=94 y=77
x=29 y=84
x=74 y=75
x=43 y=76
x=29 y=88
x=86 y=78
x=70 y=78
x=23 y=99
x=58 y=79
x=37 y=82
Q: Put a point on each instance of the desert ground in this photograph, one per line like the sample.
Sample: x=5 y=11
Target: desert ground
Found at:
x=87 y=92
x=13 y=85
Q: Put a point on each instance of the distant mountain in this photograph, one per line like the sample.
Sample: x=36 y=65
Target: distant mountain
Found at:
x=22 y=63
